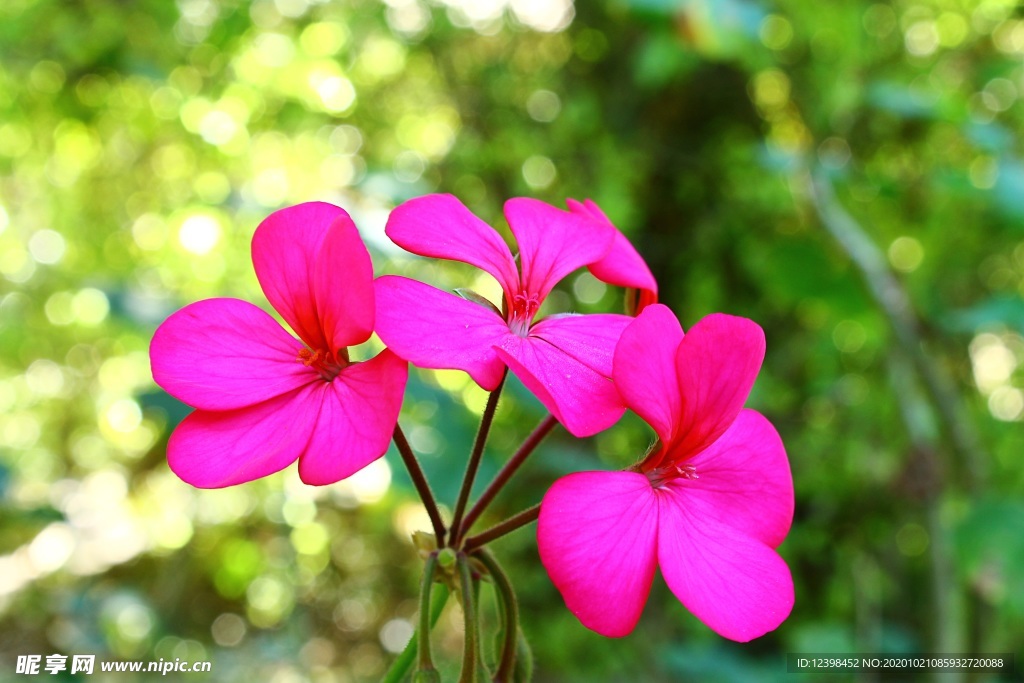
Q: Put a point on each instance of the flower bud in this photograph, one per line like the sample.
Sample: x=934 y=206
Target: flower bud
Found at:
x=424 y=542
x=446 y=558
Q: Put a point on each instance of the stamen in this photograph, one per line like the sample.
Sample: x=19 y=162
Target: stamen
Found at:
x=662 y=475
x=524 y=307
x=687 y=471
x=309 y=358
x=323 y=362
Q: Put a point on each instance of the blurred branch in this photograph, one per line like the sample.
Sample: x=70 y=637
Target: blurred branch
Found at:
x=892 y=298
x=946 y=598
x=908 y=363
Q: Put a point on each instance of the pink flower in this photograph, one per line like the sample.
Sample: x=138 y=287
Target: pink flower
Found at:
x=708 y=505
x=565 y=360
x=622 y=266
x=264 y=398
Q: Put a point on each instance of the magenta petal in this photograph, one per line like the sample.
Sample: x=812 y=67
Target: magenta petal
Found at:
x=581 y=399
x=744 y=480
x=717 y=364
x=284 y=251
x=441 y=226
x=434 y=329
x=596 y=537
x=553 y=243
x=358 y=413
x=622 y=265
x=645 y=368
x=590 y=339
x=735 y=584
x=213 y=449
x=343 y=284
x=222 y=354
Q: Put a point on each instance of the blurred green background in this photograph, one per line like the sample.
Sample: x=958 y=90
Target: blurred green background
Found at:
x=142 y=142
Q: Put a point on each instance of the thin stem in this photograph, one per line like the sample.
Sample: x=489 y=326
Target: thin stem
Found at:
x=503 y=476
x=483 y=671
x=400 y=667
x=510 y=613
x=475 y=456
x=419 y=480
x=502 y=528
x=425 y=661
x=470 y=652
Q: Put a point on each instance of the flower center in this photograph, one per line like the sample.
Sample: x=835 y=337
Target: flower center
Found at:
x=323 y=362
x=524 y=307
x=662 y=475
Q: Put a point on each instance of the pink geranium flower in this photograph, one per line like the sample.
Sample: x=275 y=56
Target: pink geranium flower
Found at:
x=565 y=360
x=264 y=398
x=709 y=504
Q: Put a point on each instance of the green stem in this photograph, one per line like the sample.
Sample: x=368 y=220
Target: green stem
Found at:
x=509 y=612
x=506 y=472
x=400 y=668
x=474 y=460
x=419 y=480
x=483 y=672
x=426 y=661
x=470 y=652
x=498 y=530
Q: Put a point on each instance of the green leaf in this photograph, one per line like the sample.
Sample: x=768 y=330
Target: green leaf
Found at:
x=470 y=295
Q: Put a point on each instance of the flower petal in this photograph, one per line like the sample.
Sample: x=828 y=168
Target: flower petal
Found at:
x=343 y=284
x=358 y=413
x=622 y=265
x=284 y=254
x=553 y=243
x=441 y=226
x=717 y=364
x=590 y=339
x=596 y=536
x=645 y=368
x=744 y=480
x=223 y=354
x=434 y=329
x=213 y=449
x=581 y=399
x=735 y=584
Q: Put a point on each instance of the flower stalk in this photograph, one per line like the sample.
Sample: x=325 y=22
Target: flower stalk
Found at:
x=474 y=460
x=419 y=480
x=471 y=647
x=424 y=659
x=400 y=667
x=502 y=528
x=506 y=472
x=509 y=609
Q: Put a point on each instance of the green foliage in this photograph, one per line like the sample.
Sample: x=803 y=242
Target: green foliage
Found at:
x=141 y=143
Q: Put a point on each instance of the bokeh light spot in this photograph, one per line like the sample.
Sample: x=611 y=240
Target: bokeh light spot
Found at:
x=199 y=234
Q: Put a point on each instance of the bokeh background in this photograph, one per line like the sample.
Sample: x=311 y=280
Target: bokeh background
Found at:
x=847 y=174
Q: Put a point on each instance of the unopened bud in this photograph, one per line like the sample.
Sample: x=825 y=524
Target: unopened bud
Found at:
x=523 y=671
x=446 y=558
x=424 y=542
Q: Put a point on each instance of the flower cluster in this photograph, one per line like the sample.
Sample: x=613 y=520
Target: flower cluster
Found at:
x=707 y=505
